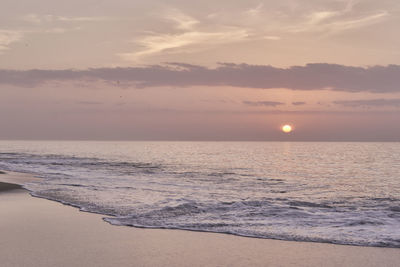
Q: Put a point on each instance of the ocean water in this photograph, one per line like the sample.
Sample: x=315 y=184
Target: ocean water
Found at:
x=344 y=193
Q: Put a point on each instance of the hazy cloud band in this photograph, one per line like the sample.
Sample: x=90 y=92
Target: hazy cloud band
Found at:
x=376 y=79
x=369 y=103
x=263 y=103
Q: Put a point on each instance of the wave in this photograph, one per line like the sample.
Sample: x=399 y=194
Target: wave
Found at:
x=189 y=194
x=262 y=219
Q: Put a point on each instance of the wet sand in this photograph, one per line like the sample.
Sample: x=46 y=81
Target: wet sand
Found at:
x=39 y=232
x=8 y=186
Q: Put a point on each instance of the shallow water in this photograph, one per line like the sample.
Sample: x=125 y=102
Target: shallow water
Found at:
x=346 y=193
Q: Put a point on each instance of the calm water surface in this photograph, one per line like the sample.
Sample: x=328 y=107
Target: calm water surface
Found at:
x=346 y=193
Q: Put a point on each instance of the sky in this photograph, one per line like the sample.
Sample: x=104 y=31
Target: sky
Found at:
x=200 y=70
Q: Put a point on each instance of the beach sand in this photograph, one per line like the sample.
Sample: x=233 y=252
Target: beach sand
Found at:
x=39 y=232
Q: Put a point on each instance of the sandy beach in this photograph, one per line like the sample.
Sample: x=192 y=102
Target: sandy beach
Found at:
x=39 y=232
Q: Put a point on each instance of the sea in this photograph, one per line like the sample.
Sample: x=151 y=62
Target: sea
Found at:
x=333 y=192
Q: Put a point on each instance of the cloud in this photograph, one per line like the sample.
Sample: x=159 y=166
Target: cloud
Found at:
x=255 y=11
x=53 y=24
x=263 y=103
x=298 y=103
x=40 y=19
x=8 y=37
x=183 y=21
x=320 y=16
x=328 y=22
x=158 y=43
x=317 y=76
x=358 y=23
x=335 y=21
x=271 y=37
x=369 y=103
x=184 y=33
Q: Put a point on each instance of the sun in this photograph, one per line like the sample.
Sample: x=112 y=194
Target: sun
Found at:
x=286 y=128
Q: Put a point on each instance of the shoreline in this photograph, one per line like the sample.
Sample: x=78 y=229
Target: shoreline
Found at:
x=39 y=232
